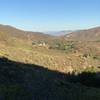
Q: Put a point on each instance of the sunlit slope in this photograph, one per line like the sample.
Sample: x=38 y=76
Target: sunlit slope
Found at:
x=17 y=45
x=92 y=34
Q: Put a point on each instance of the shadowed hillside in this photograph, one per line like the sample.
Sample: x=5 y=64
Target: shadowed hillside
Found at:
x=20 y=81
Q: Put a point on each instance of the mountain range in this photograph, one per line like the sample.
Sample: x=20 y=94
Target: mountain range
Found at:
x=92 y=34
x=59 y=33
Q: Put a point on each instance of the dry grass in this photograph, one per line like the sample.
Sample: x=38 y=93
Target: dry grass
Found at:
x=52 y=59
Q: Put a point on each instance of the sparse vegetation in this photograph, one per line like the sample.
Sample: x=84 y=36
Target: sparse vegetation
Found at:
x=20 y=81
x=64 y=65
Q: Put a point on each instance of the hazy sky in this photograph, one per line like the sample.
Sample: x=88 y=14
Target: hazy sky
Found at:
x=47 y=15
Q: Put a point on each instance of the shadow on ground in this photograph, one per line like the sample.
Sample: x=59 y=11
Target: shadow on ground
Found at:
x=19 y=81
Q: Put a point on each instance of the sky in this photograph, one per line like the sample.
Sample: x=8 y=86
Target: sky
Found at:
x=50 y=15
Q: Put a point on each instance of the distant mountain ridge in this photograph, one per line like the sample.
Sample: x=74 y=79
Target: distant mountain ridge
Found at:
x=8 y=32
x=59 y=33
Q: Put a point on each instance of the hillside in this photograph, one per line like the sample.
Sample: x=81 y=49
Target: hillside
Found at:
x=20 y=81
x=48 y=51
x=84 y=35
x=11 y=36
x=37 y=66
x=12 y=32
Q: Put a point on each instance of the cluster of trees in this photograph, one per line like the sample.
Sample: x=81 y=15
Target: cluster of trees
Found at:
x=38 y=42
x=64 y=46
x=57 y=44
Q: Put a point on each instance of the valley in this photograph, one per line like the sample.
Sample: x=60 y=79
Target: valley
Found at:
x=56 y=65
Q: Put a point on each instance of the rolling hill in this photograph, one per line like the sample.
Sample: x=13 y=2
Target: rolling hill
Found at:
x=17 y=45
x=70 y=69
x=92 y=34
x=14 y=32
x=15 y=37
